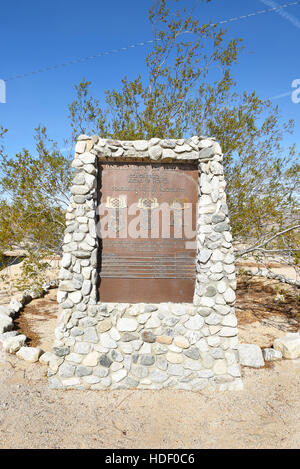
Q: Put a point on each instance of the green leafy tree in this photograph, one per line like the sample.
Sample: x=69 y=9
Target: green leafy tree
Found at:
x=34 y=197
x=180 y=96
x=188 y=89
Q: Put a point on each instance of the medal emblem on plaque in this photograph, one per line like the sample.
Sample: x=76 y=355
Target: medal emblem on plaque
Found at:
x=177 y=206
x=115 y=205
x=146 y=205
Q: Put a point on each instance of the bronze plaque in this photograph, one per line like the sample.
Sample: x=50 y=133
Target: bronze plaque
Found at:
x=147 y=220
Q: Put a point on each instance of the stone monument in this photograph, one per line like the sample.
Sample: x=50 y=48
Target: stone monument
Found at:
x=147 y=280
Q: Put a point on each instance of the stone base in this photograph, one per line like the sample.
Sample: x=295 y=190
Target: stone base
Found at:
x=142 y=346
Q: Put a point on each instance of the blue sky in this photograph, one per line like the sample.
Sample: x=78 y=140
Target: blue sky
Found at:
x=37 y=34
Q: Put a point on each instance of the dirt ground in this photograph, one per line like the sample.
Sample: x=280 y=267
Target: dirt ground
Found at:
x=266 y=414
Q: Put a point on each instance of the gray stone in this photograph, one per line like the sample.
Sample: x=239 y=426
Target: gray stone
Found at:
x=131 y=383
x=161 y=363
x=61 y=351
x=147 y=360
x=206 y=153
x=220 y=227
x=218 y=218
x=66 y=370
x=116 y=356
x=128 y=337
x=192 y=352
x=105 y=361
x=210 y=291
x=76 y=331
x=83 y=371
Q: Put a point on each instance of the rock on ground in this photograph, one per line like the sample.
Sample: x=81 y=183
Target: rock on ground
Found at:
x=13 y=344
x=271 y=354
x=45 y=358
x=289 y=345
x=6 y=323
x=251 y=355
x=30 y=354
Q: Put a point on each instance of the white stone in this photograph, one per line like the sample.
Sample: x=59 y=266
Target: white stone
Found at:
x=230 y=320
x=222 y=286
x=5 y=310
x=114 y=333
x=181 y=342
x=75 y=297
x=118 y=375
x=6 y=323
x=213 y=341
x=107 y=341
x=46 y=357
x=250 y=355
x=229 y=295
x=168 y=153
x=206 y=143
x=271 y=354
x=195 y=323
x=289 y=346
x=91 y=359
x=15 y=305
x=127 y=325
x=153 y=322
x=13 y=344
x=174 y=357
x=87 y=158
x=155 y=152
x=140 y=145
x=204 y=255
x=202 y=345
x=207 y=301
x=125 y=347
x=80 y=146
x=228 y=332
x=30 y=354
x=146 y=348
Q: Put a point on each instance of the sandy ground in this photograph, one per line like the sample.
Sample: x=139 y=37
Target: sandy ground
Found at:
x=266 y=414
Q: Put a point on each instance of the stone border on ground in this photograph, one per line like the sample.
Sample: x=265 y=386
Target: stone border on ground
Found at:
x=12 y=341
